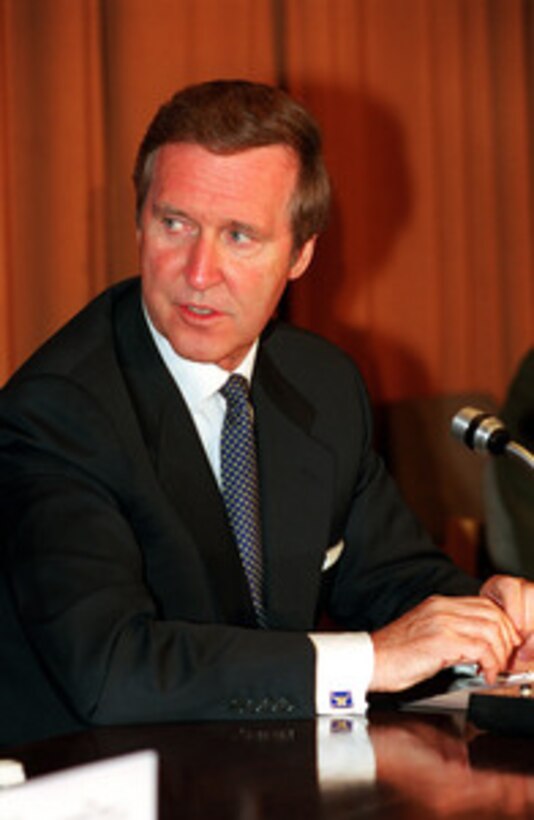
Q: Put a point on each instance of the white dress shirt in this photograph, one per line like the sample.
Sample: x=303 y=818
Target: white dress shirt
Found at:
x=344 y=661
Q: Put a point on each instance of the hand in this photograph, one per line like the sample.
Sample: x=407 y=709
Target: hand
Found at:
x=516 y=597
x=439 y=633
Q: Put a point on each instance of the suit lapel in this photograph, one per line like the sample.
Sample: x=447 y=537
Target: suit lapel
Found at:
x=296 y=474
x=180 y=463
x=188 y=480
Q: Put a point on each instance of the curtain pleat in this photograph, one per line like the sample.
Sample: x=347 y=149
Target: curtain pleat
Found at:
x=52 y=168
x=425 y=275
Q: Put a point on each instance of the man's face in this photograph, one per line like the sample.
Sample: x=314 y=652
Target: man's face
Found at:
x=216 y=247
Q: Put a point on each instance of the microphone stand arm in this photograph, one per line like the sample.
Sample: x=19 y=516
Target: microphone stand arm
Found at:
x=520 y=453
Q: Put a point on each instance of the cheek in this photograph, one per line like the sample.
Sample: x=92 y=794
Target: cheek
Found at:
x=246 y=285
x=157 y=276
x=158 y=261
x=260 y=293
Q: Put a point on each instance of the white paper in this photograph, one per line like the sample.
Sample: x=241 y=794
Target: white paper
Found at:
x=121 y=788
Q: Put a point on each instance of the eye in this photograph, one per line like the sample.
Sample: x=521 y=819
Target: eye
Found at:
x=238 y=236
x=241 y=237
x=174 y=224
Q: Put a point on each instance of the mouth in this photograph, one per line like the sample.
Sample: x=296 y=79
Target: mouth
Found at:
x=198 y=312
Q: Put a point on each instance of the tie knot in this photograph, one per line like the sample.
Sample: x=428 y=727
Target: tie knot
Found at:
x=236 y=391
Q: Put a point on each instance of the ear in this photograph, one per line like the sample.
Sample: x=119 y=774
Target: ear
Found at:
x=302 y=258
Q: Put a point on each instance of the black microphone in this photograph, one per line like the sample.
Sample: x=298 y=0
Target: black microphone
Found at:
x=482 y=432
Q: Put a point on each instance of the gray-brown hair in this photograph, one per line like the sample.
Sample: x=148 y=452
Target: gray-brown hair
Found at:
x=228 y=116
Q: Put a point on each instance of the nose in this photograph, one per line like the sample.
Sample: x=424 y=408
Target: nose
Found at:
x=202 y=266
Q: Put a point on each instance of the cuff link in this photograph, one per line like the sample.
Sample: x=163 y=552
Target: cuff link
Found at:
x=341 y=700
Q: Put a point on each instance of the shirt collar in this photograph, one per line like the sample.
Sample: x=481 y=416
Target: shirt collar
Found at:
x=197 y=381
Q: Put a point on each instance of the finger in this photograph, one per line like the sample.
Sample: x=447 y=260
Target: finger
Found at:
x=482 y=645
x=528 y=608
x=487 y=643
x=484 y=614
x=525 y=653
x=503 y=623
x=510 y=594
x=481 y=624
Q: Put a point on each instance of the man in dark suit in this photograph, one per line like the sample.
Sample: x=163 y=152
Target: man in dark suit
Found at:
x=123 y=572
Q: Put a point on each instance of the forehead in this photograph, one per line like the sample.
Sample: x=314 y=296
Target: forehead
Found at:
x=263 y=175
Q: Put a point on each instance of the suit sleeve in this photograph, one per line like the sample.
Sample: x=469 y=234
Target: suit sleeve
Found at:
x=78 y=578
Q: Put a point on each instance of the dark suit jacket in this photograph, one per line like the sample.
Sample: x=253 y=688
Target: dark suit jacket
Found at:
x=125 y=579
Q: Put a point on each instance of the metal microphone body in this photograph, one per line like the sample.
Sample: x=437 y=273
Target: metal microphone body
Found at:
x=482 y=432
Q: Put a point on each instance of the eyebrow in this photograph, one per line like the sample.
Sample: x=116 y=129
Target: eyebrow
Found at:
x=246 y=227
x=161 y=208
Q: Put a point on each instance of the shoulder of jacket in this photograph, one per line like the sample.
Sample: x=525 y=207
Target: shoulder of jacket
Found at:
x=82 y=338
x=296 y=350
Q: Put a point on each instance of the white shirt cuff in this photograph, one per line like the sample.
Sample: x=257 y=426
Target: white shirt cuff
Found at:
x=343 y=671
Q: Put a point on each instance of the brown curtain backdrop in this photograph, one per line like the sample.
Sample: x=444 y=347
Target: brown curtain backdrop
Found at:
x=79 y=81
x=51 y=168
x=426 y=273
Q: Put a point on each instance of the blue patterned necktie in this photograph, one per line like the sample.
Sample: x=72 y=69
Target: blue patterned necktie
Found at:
x=239 y=482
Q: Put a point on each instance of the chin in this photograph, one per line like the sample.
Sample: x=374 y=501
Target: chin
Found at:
x=195 y=354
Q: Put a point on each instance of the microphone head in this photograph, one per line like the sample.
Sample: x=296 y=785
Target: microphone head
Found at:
x=480 y=431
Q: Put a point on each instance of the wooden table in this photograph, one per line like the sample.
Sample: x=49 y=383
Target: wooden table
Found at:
x=426 y=766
